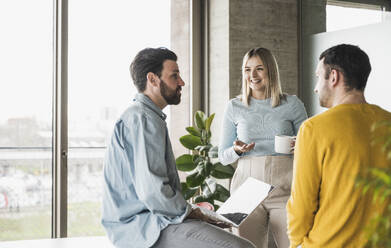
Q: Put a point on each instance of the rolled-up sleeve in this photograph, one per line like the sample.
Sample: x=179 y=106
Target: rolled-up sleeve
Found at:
x=303 y=202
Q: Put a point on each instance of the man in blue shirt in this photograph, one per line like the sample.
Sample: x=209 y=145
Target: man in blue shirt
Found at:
x=142 y=202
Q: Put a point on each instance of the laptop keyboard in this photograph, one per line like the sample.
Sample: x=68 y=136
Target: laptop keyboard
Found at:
x=236 y=218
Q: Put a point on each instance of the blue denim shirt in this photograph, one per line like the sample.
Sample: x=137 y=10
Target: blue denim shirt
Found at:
x=142 y=192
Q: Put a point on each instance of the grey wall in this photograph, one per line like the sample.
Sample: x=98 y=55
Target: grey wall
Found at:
x=267 y=23
x=219 y=70
x=180 y=44
x=235 y=27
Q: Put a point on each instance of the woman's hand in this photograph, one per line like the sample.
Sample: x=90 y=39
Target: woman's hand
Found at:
x=241 y=147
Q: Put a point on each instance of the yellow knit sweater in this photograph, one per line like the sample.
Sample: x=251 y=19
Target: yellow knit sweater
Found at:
x=325 y=208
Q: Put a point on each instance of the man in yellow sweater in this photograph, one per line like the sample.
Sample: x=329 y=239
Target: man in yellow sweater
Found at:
x=326 y=209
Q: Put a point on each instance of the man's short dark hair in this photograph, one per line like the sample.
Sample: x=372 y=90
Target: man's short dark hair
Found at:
x=149 y=60
x=351 y=61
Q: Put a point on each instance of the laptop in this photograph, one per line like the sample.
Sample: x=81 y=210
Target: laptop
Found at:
x=241 y=203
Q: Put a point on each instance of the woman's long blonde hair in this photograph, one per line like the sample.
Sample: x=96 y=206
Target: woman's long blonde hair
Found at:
x=273 y=87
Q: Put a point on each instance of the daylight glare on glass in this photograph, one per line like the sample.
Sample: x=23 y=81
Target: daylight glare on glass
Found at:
x=343 y=17
x=103 y=36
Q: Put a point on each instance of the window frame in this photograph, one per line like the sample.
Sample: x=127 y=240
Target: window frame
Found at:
x=60 y=100
x=60 y=120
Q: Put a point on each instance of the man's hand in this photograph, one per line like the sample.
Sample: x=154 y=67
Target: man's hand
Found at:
x=241 y=147
x=197 y=214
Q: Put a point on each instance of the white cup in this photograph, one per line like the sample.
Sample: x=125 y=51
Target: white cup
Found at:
x=282 y=144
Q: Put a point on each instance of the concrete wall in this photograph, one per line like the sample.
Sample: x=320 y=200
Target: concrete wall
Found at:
x=267 y=23
x=219 y=70
x=180 y=44
x=313 y=21
x=235 y=27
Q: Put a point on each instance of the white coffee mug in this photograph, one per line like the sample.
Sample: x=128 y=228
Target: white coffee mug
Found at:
x=282 y=144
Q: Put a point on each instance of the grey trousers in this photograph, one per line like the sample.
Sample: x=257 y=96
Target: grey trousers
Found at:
x=271 y=214
x=199 y=234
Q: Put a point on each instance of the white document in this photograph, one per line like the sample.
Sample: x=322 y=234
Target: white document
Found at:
x=243 y=201
x=246 y=198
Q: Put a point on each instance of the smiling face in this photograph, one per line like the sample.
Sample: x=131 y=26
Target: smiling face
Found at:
x=171 y=83
x=256 y=74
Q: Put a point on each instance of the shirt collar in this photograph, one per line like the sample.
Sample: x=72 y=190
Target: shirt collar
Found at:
x=150 y=104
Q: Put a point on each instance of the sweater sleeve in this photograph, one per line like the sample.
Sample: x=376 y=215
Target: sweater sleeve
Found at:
x=227 y=154
x=304 y=200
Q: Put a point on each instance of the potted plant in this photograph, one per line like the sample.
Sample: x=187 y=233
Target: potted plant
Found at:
x=201 y=165
x=378 y=182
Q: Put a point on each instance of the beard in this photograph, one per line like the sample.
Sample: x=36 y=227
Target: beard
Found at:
x=172 y=97
x=325 y=98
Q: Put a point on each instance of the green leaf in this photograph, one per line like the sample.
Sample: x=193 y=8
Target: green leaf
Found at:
x=221 y=194
x=208 y=122
x=190 y=141
x=197 y=159
x=205 y=168
x=185 y=163
x=211 y=184
x=203 y=148
x=199 y=119
x=209 y=133
x=222 y=171
x=388 y=142
x=188 y=192
x=207 y=191
x=365 y=189
x=382 y=176
x=193 y=131
x=209 y=167
x=213 y=152
x=202 y=198
x=195 y=179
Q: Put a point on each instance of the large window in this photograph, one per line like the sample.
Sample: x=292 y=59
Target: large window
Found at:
x=25 y=119
x=365 y=23
x=101 y=48
x=103 y=38
x=344 y=15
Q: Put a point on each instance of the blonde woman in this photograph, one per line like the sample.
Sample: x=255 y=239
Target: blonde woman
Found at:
x=250 y=123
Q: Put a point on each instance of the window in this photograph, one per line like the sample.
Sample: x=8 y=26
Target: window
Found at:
x=26 y=119
x=103 y=37
x=101 y=48
x=343 y=15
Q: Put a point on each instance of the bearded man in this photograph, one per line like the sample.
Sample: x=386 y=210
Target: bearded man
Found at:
x=142 y=202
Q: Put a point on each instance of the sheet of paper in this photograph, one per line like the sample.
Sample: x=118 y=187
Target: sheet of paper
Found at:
x=246 y=198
